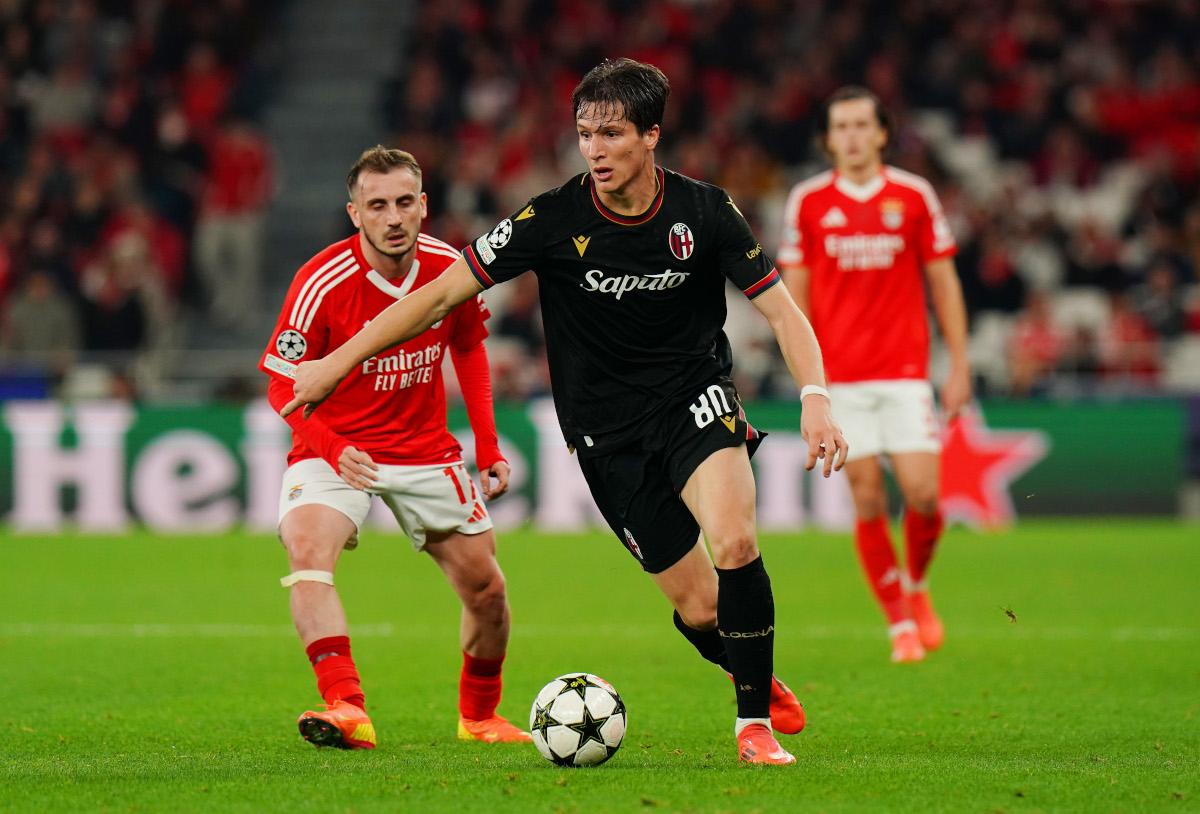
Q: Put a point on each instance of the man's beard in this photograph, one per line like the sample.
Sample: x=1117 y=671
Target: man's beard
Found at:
x=389 y=251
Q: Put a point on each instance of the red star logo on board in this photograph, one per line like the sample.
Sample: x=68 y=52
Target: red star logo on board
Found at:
x=979 y=466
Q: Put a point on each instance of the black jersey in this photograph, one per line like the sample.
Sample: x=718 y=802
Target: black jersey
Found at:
x=633 y=306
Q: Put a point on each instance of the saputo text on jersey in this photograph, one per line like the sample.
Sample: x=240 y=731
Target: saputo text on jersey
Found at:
x=597 y=281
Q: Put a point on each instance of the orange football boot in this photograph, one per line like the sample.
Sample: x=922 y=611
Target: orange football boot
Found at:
x=492 y=730
x=756 y=744
x=929 y=626
x=787 y=713
x=341 y=725
x=906 y=643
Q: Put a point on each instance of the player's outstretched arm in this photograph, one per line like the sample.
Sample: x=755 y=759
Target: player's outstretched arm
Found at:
x=796 y=280
x=803 y=356
x=398 y=323
x=946 y=293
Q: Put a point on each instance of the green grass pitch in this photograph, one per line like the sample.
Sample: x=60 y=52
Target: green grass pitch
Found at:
x=160 y=674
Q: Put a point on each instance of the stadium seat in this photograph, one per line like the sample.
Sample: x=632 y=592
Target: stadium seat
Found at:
x=1183 y=364
x=1082 y=308
x=973 y=159
x=988 y=347
x=937 y=126
x=86 y=381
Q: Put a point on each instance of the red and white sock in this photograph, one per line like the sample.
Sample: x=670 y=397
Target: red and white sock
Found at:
x=878 y=559
x=921 y=534
x=337 y=677
x=479 y=687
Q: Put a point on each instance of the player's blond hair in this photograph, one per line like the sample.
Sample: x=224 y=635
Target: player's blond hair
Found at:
x=382 y=160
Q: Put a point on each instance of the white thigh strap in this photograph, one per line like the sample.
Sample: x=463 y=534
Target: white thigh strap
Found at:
x=307 y=576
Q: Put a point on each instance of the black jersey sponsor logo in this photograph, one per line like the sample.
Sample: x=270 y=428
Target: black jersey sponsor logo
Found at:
x=755 y=252
x=527 y=212
x=580 y=244
x=291 y=345
x=681 y=240
x=596 y=280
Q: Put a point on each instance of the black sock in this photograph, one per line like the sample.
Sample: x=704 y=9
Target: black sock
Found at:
x=746 y=622
x=708 y=642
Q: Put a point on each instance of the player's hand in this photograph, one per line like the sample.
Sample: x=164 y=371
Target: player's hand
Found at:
x=500 y=471
x=314 y=382
x=357 y=468
x=825 y=440
x=956 y=391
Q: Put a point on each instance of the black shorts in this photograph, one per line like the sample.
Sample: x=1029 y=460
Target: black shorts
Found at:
x=637 y=487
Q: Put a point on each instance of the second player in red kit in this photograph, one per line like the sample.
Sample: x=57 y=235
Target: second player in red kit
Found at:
x=385 y=434
x=860 y=244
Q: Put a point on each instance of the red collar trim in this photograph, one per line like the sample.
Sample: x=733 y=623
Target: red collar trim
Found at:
x=631 y=220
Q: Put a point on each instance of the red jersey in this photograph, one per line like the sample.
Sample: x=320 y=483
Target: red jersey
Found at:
x=392 y=406
x=865 y=247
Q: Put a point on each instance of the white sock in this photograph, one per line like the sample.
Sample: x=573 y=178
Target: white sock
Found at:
x=741 y=723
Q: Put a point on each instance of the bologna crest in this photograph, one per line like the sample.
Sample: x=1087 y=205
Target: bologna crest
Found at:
x=682 y=241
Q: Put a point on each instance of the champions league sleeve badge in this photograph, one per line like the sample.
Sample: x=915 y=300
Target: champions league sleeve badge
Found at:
x=498 y=238
x=291 y=345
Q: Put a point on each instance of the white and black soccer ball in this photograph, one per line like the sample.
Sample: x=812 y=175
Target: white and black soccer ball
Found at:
x=578 y=719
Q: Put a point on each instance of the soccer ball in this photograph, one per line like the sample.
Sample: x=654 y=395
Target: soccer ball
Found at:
x=578 y=719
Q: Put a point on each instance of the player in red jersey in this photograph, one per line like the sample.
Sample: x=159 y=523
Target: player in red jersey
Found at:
x=385 y=434
x=860 y=242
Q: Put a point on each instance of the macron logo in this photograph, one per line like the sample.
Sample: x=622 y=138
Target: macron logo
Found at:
x=835 y=218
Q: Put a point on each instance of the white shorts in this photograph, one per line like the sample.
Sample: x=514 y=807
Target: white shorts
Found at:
x=883 y=417
x=433 y=497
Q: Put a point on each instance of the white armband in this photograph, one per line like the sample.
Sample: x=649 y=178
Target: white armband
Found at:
x=813 y=390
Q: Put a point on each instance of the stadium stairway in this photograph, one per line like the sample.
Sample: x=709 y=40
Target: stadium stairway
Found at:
x=329 y=61
x=326 y=110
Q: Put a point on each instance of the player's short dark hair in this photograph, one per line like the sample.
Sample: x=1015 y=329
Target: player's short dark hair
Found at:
x=849 y=93
x=639 y=88
x=382 y=160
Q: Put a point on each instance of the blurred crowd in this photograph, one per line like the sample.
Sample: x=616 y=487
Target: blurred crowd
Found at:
x=132 y=181
x=1063 y=139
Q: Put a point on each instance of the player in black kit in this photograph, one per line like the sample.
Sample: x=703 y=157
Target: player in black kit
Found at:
x=631 y=263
